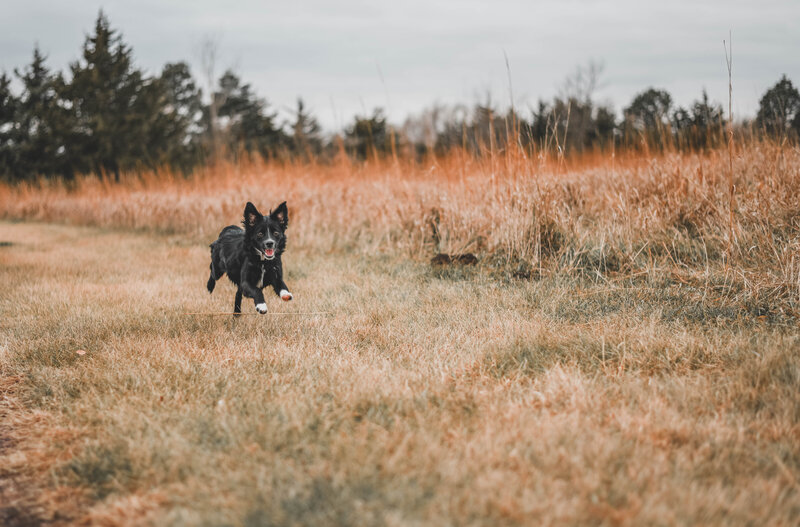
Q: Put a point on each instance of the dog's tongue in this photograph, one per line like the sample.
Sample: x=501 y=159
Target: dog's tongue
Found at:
x=269 y=252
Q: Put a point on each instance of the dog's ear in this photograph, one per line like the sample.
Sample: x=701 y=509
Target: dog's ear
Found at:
x=281 y=215
x=251 y=215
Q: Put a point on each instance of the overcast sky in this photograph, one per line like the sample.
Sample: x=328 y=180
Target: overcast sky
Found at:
x=347 y=57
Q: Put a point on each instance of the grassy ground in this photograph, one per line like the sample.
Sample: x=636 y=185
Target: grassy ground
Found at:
x=437 y=397
x=625 y=352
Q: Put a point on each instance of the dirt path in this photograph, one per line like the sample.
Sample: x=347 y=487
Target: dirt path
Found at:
x=20 y=491
x=27 y=494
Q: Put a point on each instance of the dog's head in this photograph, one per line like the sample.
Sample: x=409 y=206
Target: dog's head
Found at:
x=266 y=234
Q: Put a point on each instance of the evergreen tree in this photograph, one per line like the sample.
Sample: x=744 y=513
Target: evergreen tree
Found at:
x=682 y=124
x=779 y=109
x=540 y=124
x=708 y=123
x=176 y=130
x=8 y=113
x=368 y=136
x=306 y=141
x=245 y=121
x=573 y=125
x=701 y=126
x=42 y=123
x=648 y=117
x=605 y=124
x=106 y=92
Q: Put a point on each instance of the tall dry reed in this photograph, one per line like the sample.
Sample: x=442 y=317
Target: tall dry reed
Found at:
x=628 y=216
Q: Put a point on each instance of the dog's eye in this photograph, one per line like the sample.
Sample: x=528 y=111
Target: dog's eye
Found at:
x=260 y=234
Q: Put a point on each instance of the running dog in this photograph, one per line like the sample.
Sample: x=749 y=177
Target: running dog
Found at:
x=252 y=257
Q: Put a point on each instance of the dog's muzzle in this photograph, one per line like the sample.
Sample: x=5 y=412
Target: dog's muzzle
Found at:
x=266 y=254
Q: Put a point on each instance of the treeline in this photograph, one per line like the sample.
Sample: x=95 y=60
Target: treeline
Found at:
x=574 y=123
x=105 y=116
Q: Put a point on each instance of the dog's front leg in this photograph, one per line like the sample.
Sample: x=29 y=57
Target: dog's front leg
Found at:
x=257 y=295
x=280 y=287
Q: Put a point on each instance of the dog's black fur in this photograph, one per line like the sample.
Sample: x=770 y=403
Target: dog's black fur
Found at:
x=252 y=257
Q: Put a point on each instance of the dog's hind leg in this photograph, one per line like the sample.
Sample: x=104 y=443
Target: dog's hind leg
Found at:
x=216 y=270
x=237 y=303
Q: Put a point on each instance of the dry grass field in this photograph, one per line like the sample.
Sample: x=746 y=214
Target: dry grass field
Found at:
x=625 y=352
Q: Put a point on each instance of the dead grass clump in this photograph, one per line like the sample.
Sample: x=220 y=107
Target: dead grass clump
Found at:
x=770 y=382
x=104 y=467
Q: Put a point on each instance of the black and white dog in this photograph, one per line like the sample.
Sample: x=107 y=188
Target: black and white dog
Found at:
x=252 y=257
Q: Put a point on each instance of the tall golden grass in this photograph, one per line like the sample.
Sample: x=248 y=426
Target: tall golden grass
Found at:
x=628 y=216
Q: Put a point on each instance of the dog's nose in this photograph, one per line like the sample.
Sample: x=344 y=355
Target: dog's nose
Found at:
x=270 y=244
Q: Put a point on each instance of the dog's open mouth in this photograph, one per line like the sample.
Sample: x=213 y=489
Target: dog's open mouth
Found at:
x=269 y=254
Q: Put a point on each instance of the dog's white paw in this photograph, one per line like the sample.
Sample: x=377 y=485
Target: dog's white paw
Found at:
x=261 y=308
x=286 y=295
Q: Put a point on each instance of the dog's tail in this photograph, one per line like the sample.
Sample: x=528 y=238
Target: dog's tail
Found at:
x=211 y=282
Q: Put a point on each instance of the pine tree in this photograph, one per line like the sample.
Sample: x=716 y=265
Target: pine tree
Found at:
x=42 y=123
x=112 y=114
x=306 y=141
x=779 y=109
x=540 y=124
x=8 y=131
x=245 y=121
x=605 y=123
x=178 y=127
x=708 y=124
x=648 y=117
x=368 y=137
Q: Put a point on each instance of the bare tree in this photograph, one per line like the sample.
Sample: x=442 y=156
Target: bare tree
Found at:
x=209 y=55
x=581 y=84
